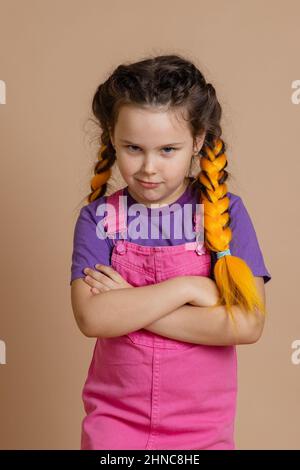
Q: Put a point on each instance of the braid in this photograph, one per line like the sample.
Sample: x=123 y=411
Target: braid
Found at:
x=233 y=276
x=102 y=173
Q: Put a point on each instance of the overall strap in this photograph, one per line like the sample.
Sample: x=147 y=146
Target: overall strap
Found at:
x=197 y=220
x=198 y=245
x=116 y=219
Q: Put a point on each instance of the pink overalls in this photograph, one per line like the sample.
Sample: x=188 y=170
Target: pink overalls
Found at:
x=146 y=391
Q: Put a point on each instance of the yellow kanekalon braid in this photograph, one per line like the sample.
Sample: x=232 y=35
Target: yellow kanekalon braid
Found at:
x=233 y=276
x=99 y=178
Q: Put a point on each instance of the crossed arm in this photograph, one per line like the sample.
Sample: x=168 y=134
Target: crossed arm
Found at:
x=212 y=325
x=163 y=308
x=209 y=325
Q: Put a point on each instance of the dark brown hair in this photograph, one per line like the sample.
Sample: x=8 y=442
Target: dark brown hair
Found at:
x=167 y=80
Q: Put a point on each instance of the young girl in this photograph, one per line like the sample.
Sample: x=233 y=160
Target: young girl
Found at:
x=167 y=309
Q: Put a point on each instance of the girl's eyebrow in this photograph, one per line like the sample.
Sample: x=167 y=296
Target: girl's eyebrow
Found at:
x=164 y=145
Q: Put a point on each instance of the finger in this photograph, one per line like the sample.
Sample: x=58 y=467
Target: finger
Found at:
x=95 y=284
x=98 y=290
x=119 y=281
x=103 y=289
x=95 y=291
x=109 y=271
x=94 y=278
x=88 y=280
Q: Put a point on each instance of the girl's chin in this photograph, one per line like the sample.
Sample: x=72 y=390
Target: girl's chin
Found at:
x=147 y=196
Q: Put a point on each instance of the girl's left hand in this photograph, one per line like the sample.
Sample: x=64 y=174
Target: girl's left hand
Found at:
x=105 y=280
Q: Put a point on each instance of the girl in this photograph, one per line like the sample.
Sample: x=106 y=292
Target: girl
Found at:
x=167 y=309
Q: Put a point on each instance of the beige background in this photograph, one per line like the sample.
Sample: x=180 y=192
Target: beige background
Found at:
x=53 y=56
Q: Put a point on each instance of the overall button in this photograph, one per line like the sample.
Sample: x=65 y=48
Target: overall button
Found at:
x=120 y=248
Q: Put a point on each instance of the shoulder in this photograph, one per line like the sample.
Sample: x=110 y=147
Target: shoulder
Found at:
x=91 y=210
x=95 y=208
x=88 y=223
x=235 y=200
x=90 y=217
x=94 y=211
x=237 y=209
x=244 y=242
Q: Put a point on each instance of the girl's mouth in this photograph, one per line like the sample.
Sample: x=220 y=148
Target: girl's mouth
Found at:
x=148 y=185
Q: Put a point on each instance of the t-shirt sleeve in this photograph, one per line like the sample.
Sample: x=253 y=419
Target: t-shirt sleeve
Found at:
x=88 y=248
x=244 y=243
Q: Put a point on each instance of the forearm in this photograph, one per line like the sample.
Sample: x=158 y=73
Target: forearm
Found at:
x=208 y=326
x=120 y=311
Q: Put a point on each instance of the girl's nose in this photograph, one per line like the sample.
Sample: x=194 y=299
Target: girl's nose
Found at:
x=149 y=166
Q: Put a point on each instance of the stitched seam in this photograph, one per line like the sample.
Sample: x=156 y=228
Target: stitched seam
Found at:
x=190 y=266
x=133 y=267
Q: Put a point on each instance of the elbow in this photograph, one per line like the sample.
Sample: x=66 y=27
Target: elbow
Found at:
x=84 y=320
x=85 y=327
x=256 y=335
x=87 y=332
x=89 y=320
x=251 y=338
x=254 y=332
x=90 y=330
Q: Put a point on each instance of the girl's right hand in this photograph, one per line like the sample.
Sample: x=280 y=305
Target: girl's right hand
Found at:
x=203 y=291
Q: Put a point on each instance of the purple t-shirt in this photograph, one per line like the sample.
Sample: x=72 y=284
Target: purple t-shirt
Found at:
x=89 y=249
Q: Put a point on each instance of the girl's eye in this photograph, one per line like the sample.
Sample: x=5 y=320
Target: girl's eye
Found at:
x=172 y=148
x=135 y=147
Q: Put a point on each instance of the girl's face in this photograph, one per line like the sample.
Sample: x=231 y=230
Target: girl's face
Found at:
x=154 y=146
